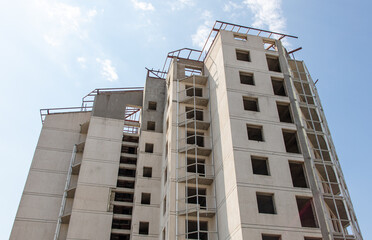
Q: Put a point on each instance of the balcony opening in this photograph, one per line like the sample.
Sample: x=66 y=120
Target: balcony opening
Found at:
x=278 y=87
x=195 y=138
x=284 y=112
x=194 y=113
x=270 y=237
x=115 y=236
x=306 y=212
x=250 y=104
x=192 y=230
x=265 y=203
x=143 y=228
x=125 y=184
x=273 y=63
x=255 y=133
x=246 y=78
x=298 y=175
x=122 y=210
x=194 y=91
x=240 y=37
x=123 y=197
x=290 y=141
x=152 y=105
x=128 y=160
x=127 y=138
x=149 y=147
x=146 y=198
x=129 y=150
x=147 y=172
x=242 y=55
x=150 y=126
x=194 y=199
x=260 y=165
x=121 y=224
x=123 y=172
x=196 y=165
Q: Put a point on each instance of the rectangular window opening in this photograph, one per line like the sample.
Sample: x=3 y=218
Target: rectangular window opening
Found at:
x=165 y=205
x=255 y=133
x=278 y=87
x=122 y=210
x=147 y=172
x=152 y=105
x=270 y=237
x=192 y=230
x=150 y=126
x=240 y=37
x=265 y=202
x=121 y=224
x=165 y=175
x=197 y=196
x=246 y=78
x=145 y=198
x=144 y=228
x=115 y=236
x=123 y=197
x=298 y=175
x=242 y=55
x=123 y=172
x=194 y=91
x=130 y=150
x=273 y=63
x=306 y=212
x=128 y=160
x=194 y=113
x=260 y=165
x=284 y=112
x=195 y=138
x=125 y=184
x=290 y=141
x=250 y=104
x=149 y=147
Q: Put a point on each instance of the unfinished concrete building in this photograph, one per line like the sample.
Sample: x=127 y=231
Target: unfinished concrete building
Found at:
x=229 y=142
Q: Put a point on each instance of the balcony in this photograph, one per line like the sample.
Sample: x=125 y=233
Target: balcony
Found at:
x=196 y=173
x=195 y=79
x=194 y=204
x=194 y=119
x=194 y=95
x=195 y=144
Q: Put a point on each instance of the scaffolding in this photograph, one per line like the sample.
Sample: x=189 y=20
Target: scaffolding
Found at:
x=335 y=199
x=195 y=190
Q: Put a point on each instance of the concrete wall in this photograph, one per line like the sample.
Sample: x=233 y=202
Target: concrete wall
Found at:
x=112 y=104
x=41 y=199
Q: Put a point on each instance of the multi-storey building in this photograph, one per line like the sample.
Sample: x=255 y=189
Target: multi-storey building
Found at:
x=229 y=142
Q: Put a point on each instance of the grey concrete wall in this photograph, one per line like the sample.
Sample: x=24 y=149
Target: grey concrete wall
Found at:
x=154 y=92
x=41 y=199
x=112 y=104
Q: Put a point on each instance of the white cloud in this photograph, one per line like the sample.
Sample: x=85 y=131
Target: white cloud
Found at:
x=142 y=5
x=201 y=35
x=180 y=4
x=230 y=6
x=81 y=61
x=267 y=14
x=63 y=20
x=107 y=70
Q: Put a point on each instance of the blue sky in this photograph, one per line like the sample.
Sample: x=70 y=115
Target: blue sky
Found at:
x=54 y=52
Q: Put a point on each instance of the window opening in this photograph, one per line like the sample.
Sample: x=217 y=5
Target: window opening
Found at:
x=147 y=172
x=123 y=172
x=194 y=91
x=250 y=104
x=243 y=55
x=195 y=138
x=255 y=133
x=273 y=63
x=199 y=198
x=298 y=175
x=194 y=112
x=260 y=165
x=265 y=202
x=152 y=105
x=150 y=125
x=284 y=112
x=270 y=237
x=125 y=184
x=144 y=228
x=123 y=197
x=192 y=227
x=145 y=198
x=278 y=87
x=306 y=212
x=290 y=141
x=121 y=224
x=149 y=147
x=246 y=78
x=193 y=163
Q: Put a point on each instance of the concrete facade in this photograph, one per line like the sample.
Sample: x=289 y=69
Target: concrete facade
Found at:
x=234 y=146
